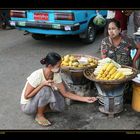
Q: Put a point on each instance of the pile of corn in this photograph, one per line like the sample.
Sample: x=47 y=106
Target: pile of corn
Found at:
x=109 y=72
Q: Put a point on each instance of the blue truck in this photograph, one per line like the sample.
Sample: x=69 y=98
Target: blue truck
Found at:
x=41 y=23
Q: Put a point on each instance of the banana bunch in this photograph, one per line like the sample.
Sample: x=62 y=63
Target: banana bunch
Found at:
x=109 y=72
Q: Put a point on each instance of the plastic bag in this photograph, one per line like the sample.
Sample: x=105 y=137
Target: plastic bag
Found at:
x=99 y=20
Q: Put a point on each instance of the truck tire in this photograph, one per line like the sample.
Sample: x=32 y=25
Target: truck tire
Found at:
x=90 y=34
x=38 y=36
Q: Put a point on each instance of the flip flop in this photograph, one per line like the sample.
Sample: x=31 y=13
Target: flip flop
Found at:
x=43 y=123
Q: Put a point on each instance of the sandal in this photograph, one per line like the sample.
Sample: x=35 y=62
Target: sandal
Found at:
x=43 y=122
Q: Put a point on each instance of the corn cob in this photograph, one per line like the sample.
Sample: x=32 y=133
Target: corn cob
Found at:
x=101 y=72
x=112 y=70
x=108 y=76
x=98 y=76
x=105 y=78
x=122 y=76
x=113 y=75
x=117 y=75
x=106 y=72
x=110 y=66
x=105 y=66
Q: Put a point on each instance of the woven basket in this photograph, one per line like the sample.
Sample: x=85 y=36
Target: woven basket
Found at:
x=76 y=69
x=88 y=73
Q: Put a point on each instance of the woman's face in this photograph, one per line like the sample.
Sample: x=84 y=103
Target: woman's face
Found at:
x=56 y=68
x=113 y=30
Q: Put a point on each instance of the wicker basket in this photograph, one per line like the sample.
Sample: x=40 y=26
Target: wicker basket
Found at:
x=109 y=84
x=76 y=69
x=76 y=74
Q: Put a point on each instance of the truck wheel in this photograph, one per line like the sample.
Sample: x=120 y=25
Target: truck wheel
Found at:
x=90 y=34
x=38 y=36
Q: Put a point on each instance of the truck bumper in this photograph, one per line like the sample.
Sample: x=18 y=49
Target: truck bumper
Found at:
x=45 y=25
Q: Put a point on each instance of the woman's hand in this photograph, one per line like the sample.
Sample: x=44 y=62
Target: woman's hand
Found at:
x=48 y=83
x=90 y=99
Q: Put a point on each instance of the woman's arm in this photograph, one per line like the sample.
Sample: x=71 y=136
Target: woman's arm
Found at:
x=31 y=91
x=73 y=96
x=103 y=49
x=137 y=55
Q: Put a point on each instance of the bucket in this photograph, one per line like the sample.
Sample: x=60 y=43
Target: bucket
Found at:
x=136 y=97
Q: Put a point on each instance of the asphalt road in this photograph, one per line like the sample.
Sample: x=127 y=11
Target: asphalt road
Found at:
x=20 y=55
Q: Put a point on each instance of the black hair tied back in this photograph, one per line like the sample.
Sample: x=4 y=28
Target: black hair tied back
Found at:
x=43 y=61
x=51 y=59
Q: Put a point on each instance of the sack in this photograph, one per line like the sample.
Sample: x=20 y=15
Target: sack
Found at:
x=99 y=20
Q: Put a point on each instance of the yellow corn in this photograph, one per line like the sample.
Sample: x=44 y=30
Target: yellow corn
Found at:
x=117 y=75
x=101 y=78
x=105 y=66
x=110 y=78
x=103 y=75
x=112 y=70
x=122 y=76
x=98 y=76
x=106 y=72
x=101 y=71
x=113 y=75
x=105 y=78
x=110 y=66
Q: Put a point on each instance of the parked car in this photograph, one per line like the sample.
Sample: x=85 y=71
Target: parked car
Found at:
x=57 y=22
x=4 y=18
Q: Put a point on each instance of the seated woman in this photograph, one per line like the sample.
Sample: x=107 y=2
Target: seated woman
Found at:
x=45 y=90
x=118 y=47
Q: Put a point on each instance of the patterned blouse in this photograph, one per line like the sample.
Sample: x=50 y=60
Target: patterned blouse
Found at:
x=120 y=53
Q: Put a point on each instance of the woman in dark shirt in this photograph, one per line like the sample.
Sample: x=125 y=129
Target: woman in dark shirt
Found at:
x=118 y=47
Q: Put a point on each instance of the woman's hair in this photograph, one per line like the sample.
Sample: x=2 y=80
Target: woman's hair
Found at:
x=116 y=22
x=52 y=58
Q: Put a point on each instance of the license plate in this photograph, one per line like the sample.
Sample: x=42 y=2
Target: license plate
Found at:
x=40 y=16
x=21 y=23
x=56 y=26
x=67 y=28
x=12 y=23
